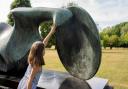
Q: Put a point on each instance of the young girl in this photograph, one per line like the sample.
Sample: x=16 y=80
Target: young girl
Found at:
x=35 y=61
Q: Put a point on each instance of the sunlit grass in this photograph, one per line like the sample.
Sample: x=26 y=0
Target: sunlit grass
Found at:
x=114 y=66
x=52 y=61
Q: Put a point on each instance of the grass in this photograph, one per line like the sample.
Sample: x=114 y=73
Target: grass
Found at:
x=114 y=66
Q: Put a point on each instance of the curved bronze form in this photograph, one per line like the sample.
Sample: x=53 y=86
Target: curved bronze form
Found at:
x=77 y=40
x=78 y=44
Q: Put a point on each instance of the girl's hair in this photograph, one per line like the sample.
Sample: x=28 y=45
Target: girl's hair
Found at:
x=35 y=56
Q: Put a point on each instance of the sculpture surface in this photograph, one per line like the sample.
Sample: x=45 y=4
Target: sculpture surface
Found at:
x=77 y=40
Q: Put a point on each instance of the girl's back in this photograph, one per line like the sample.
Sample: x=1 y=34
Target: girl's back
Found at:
x=24 y=80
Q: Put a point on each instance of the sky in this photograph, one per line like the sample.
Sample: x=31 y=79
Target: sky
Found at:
x=104 y=12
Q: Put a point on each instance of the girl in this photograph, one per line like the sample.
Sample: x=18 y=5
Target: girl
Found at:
x=35 y=61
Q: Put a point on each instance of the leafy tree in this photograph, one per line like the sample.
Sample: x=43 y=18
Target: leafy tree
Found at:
x=124 y=29
x=117 y=28
x=115 y=36
x=113 y=41
x=102 y=35
x=107 y=31
x=105 y=41
x=17 y=3
x=124 y=40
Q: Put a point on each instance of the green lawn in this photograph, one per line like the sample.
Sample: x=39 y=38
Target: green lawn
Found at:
x=114 y=66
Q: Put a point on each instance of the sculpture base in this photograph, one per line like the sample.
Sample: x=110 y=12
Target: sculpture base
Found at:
x=8 y=82
x=60 y=80
x=57 y=80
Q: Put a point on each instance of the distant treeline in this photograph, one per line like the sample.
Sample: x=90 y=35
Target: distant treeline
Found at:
x=115 y=36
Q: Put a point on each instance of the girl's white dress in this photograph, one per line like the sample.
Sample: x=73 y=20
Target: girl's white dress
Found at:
x=23 y=81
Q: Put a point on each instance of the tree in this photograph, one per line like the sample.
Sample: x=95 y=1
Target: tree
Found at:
x=124 y=40
x=44 y=29
x=115 y=36
x=124 y=29
x=113 y=41
x=17 y=3
x=105 y=41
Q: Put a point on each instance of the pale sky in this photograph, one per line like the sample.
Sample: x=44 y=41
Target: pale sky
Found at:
x=104 y=12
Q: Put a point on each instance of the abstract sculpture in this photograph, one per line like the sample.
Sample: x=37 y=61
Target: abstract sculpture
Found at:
x=77 y=40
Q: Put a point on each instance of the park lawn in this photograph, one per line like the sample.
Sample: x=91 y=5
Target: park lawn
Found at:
x=114 y=65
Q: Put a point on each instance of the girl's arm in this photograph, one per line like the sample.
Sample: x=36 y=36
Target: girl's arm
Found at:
x=35 y=69
x=46 y=39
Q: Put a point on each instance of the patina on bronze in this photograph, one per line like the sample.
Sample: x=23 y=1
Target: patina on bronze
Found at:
x=77 y=40
x=15 y=45
x=78 y=44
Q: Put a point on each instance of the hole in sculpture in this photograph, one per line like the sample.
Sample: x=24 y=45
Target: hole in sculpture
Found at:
x=51 y=54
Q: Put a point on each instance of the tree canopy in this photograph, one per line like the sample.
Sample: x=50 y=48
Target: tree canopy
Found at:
x=15 y=4
x=115 y=36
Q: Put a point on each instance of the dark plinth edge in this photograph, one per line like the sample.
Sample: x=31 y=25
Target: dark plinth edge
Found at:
x=108 y=87
x=9 y=81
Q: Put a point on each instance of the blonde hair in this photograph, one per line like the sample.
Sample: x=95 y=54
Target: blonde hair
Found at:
x=35 y=56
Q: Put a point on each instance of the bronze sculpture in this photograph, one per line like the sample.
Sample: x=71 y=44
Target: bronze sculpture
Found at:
x=77 y=40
